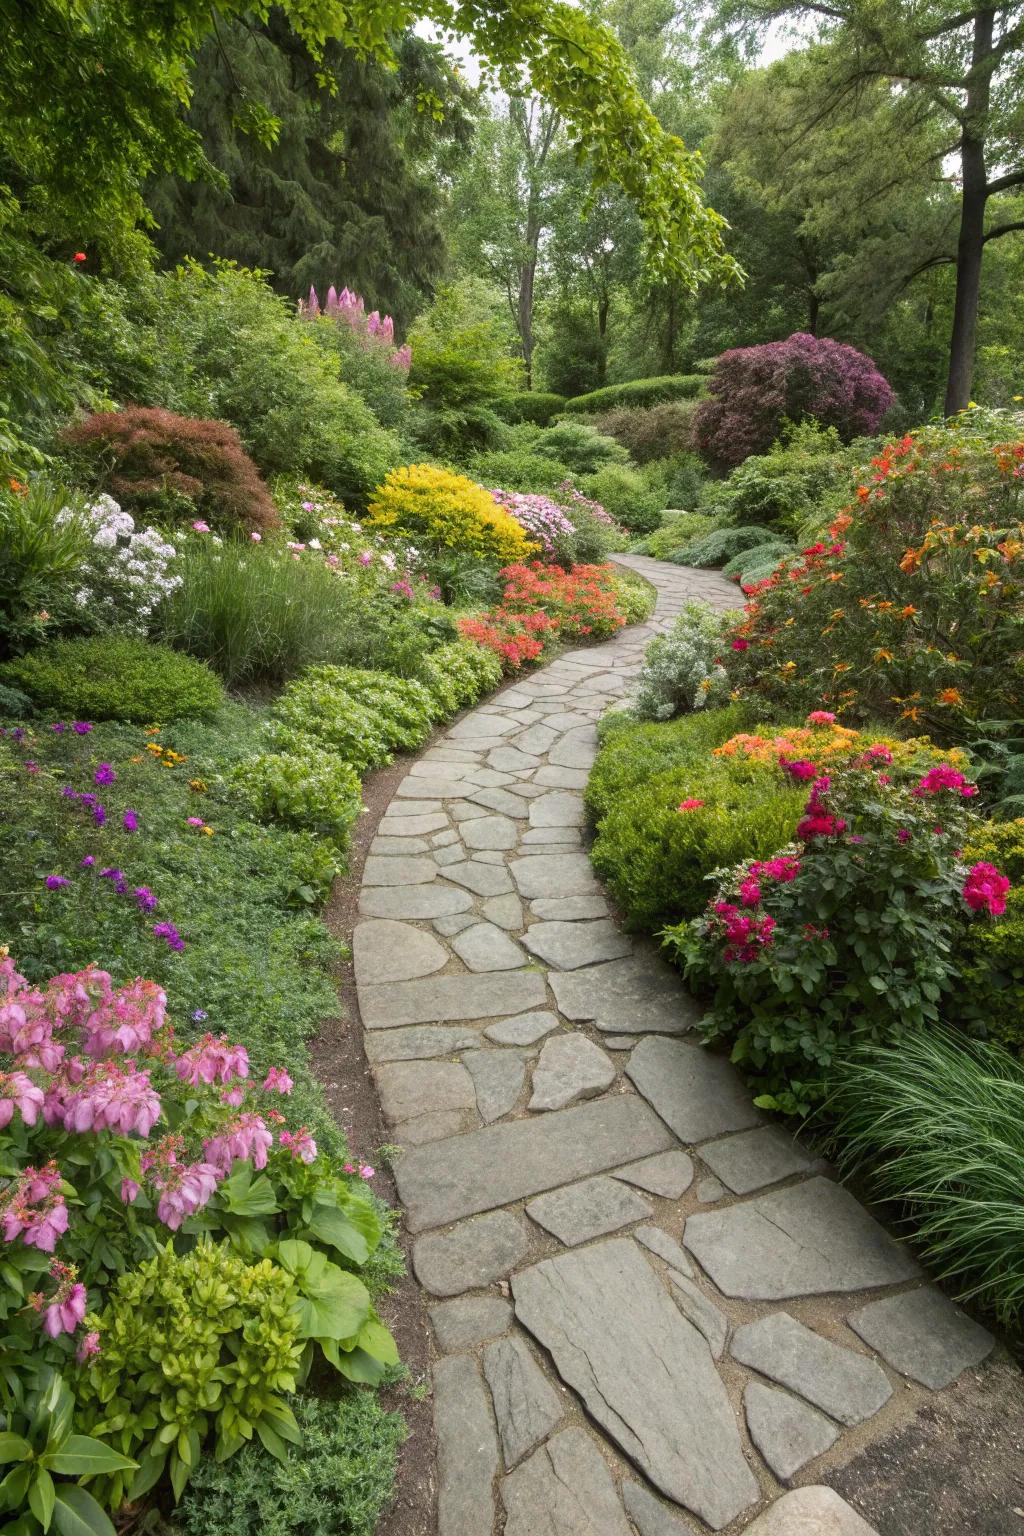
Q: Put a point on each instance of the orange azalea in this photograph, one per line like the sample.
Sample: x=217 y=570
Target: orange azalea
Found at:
x=908 y=612
x=950 y=696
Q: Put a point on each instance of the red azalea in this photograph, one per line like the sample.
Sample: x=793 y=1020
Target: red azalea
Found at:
x=79 y=256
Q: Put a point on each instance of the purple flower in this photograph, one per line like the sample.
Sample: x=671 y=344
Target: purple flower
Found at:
x=17 y=734
x=199 y=1015
x=170 y=933
x=111 y=874
x=69 y=793
x=81 y=727
x=58 y=726
x=87 y=799
x=88 y=861
x=104 y=775
x=145 y=898
x=130 y=821
x=99 y=815
x=54 y=882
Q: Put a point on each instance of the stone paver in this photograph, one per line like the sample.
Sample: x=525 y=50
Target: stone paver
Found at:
x=563 y=1144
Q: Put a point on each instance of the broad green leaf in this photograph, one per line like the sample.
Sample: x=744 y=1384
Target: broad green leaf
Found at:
x=76 y=1513
x=377 y=1341
x=357 y=1365
x=85 y=1456
x=244 y=1196
x=333 y=1226
x=271 y=1440
x=13 y=1447
x=41 y=1497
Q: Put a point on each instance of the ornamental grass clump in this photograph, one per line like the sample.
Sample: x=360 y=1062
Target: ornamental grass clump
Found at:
x=847 y=935
x=912 y=608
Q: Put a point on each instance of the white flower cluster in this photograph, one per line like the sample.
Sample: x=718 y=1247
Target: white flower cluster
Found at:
x=682 y=670
x=125 y=574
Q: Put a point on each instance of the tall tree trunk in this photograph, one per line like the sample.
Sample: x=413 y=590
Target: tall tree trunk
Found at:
x=527 y=274
x=971 y=241
x=603 y=307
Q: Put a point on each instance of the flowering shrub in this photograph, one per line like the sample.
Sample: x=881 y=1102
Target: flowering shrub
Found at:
x=373 y=330
x=912 y=607
x=845 y=937
x=541 y=602
x=125 y=574
x=443 y=510
x=115 y=677
x=991 y=955
x=177 y=468
x=753 y=391
x=682 y=670
x=112 y=1137
x=540 y=518
x=306 y=788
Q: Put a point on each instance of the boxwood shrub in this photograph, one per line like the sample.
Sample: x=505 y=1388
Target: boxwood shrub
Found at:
x=537 y=406
x=671 y=386
x=114 y=677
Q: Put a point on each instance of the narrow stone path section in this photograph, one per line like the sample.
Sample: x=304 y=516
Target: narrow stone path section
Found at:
x=653 y=1310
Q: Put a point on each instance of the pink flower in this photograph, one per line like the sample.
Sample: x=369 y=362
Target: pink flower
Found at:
x=985 y=889
x=233 y=1096
x=277 y=1081
x=212 y=1061
x=184 y=1189
x=903 y=835
x=246 y=1138
x=690 y=805
x=750 y=892
x=18 y=1092
x=799 y=768
x=113 y=1098
x=257 y=538
x=200 y=526
x=366 y=558
x=301 y=1145
x=821 y=717
x=365 y=1171
x=784 y=867
x=741 y=645
x=64 y=1315
x=90 y=1345
x=944 y=776
x=130 y=1191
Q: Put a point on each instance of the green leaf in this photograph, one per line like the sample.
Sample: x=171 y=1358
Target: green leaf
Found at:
x=332 y=1226
x=151 y=1465
x=76 y=1513
x=244 y=1196
x=377 y=1341
x=13 y=1447
x=333 y=1304
x=271 y=1440
x=357 y=1365
x=41 y=1497
x=85 y=1456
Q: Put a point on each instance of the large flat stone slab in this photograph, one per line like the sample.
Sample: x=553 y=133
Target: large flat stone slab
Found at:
x=472 y=1254
x=787 y=1432
x=469 y=1320
x=650 y=1516
x=669 y=1175
x=467 y=1448
x=417 y=1043
x=513 y=1161
x=626 y=997
x=498 y=1078
x=408 y=1089
x=505 y=911
x=491 y=832
x=847 y=1385
x=696 y=1093
x=572 y=944
x=922 y=1335
x=702 y=1313
x=526 y=1405
x=553 y=874
x=577 y=749
x=413 y=901
x=443 y=998
x=755 y=1159
x=644 y=1372
x=582 y=1211
x=812 y=1238
x=414 y=870
x=418 y=824
x=558 y=808
x=811 y=1512
x=564 y=1489
x=484 y=947
x=481 y=879
x=388 y=951
x=569 y=908
x=523 y=1029
x=570 y=1067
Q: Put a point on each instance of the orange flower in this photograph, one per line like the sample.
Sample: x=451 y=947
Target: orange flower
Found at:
x=908 y=612
x=911 y=714
x=863 y=493
x=883 y=655
x=950 y=696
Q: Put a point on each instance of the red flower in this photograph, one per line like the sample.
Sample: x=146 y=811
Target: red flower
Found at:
x=79 y=256
x=741 y=645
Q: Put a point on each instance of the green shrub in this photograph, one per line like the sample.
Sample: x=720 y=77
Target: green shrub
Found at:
x=369 y=370
x=651 y=433
x=766 y=554
x=678 y=480
x=759 y=571
x=717 y=547
x=991 y=955
x=631 y=753
x=674 y=386
x=799 y=484
x=336 y=1482
x=682 y=670
x=458 y=674
x=623 y=493
x=530 y=405
x=936 y=1126
x=14 y=705
x=678 y=529
x=308 y=788
x=336 y=721
x=402 y=707
x=38 y=560
x=656 y=858
x=519 y=469
x=174 y=468
x=109 y=677
x=579 y=445
x=634 y=595
x=461 y=370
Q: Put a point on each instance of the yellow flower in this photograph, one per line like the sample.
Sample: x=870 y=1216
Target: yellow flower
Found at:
x=199 y=785
x=206 y=831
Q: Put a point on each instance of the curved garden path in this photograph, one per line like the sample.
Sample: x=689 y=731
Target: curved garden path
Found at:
x=652 y=1310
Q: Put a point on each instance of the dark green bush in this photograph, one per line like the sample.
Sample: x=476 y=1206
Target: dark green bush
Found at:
x=38 y=560
x=801 y=482
x=715 y=548
x=14 y=705
x=537 y=406
x=758 y=555
x=580 y=445
x=678 y=529
x=671 y=386
x=109 y=677
x=519 y=469
x=624 y=495
x=650 y=433
x=335 y=1483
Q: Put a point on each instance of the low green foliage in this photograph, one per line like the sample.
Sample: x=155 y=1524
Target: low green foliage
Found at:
x=631 y=753
x=767 y=555
x=799 y=484
x=458 y=674
x=305 y=788
x=536 y=406
x=677 y=529
x=113 y=677
x=935 y=1125
x=579 y=445
x=674 y=386
x=519 y=468
x=634 y=595
x=682 y=670
x=403 y=706
x=361 y=716
x=335 y=1482
x=651 y=433
x=624 y=494
x=715 y=548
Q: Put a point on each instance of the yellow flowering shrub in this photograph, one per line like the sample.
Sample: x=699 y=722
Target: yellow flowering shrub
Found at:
x=437 y=508
x=829 y=745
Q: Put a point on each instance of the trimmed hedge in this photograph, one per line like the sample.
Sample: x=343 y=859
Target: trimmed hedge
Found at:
x=531 y=405
x=112 y=677
x=668 y=386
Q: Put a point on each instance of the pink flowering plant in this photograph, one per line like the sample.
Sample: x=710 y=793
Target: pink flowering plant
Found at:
x=848 y=935
x=117 y=1144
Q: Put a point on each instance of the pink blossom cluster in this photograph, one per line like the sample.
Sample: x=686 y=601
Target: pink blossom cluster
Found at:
x=349 y=307
x=182 y=1188
x=33 y=1208
x=246 y=1137
x=745 y=937
x=66 y=1307
x=985 y=889
x=595 y=508
x=944 y=776
x=543 y=519
x=782 y=868
x=818 y=820
x=212 y=1060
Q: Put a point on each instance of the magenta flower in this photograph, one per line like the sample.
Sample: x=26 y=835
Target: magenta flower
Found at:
x=130 y=821
x=104 y=774
x=200 y=526
x=81 y=727
x=147 y=902
x=212 y=1061
x=184 y=1189
x=89 y=1346
x=985 y=889
x=246 y=1138
x=88 y=861
x=277 y=1081
x=130 y=1191
x=55 y=882
x=821 y=717
x=301 y=1145
x=64 y=1315
x=168 y=932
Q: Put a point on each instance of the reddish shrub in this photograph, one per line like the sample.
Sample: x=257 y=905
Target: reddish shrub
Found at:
x=753 y=390
x=174 y=468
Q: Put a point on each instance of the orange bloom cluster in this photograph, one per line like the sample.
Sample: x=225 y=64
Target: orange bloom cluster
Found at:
x=541 y=602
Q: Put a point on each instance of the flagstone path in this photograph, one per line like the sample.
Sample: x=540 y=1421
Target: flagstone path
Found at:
x=652 y=1309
